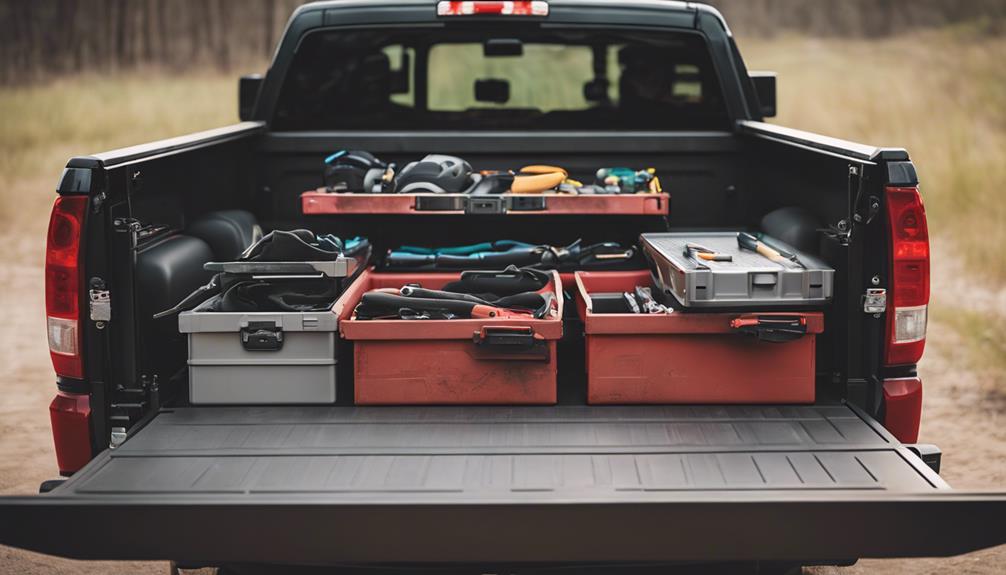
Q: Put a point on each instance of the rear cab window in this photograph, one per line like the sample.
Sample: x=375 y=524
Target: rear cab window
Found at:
x=507 y=79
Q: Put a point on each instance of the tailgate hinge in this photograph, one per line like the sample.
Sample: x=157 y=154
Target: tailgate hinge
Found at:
x=130 y=405
x=139 y=230
x=100 y=302
x=875 y=301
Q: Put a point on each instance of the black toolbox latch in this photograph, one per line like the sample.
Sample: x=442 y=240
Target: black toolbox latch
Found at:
x=486 y=205
x=510 y=342
x=262 y=336
x=530 y=203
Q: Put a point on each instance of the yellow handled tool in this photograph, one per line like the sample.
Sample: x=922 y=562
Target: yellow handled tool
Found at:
x=750 y=242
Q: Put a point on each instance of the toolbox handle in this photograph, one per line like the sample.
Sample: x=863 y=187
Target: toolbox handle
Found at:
x=510 y=342
x=771 y=328
x=262 y=336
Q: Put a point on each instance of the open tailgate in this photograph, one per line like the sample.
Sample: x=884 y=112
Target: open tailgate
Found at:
x=549 y=484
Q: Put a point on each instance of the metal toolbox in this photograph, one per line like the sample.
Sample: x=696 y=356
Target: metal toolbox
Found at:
x=260 y=357
x=748 y=280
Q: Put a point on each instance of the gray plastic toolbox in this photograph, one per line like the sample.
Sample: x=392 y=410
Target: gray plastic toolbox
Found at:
x=261 y=357
x=750 y=280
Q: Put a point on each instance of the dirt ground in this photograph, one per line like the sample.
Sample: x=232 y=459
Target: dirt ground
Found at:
x=965 y=420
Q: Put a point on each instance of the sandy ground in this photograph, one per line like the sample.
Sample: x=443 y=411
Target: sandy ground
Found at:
x=969 y=424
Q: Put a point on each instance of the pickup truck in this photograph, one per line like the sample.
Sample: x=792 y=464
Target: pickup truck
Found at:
x=574 y=83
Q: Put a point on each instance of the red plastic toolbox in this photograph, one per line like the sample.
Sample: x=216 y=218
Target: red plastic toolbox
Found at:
x=688 y=357
x=406 y=362
x=320 y=202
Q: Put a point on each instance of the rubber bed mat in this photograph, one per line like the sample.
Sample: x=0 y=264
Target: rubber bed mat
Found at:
x=586 y=451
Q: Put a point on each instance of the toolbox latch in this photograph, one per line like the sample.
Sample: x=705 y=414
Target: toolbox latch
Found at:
x=486 y=205
x=262 y=336
x=510 y=342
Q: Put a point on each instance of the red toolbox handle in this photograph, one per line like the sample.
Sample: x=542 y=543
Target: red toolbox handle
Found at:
x=510 y=342
x=771 y=328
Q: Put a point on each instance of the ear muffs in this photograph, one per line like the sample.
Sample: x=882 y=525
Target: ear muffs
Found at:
x=538 y=179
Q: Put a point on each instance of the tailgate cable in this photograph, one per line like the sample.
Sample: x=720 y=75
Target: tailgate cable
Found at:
x=842 y=231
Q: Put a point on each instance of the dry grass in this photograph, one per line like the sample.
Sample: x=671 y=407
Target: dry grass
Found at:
x=941 y=95
x=42 y=126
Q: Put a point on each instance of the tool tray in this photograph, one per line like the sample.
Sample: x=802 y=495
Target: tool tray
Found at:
x=456 y=361
x=749 y=281
x=321 y=202
x=338 y=268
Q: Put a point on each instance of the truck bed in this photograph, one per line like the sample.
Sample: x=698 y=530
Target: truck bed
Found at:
x=530 y=484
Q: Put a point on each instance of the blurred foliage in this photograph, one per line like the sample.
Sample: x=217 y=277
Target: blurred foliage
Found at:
x=40 y=39
x=856 y=18
x=941 y=94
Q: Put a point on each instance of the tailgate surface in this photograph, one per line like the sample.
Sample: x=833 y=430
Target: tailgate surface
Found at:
x=324 y=485
x=585 y=451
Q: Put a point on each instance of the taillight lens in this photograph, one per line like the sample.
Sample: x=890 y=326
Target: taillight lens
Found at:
x=908 y=299
x=63 y=284
x=903 y=408
x=70 y=414
x=492 y=8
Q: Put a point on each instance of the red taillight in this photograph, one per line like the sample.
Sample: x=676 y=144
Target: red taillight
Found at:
x=903 y=408
x=908 y=298
x=63 y=284
x=492 y=8
x=70 y=414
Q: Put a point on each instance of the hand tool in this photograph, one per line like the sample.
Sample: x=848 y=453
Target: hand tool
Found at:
x=701 y=252
x=765 y=239
x=529 y=301
x=644 y=296
x=772 y=329
x=377 y=304
x=751 y=242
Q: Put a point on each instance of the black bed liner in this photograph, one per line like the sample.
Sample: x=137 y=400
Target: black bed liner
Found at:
x=549 y=484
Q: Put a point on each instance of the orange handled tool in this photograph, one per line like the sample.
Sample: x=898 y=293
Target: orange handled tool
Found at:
x=487 y=311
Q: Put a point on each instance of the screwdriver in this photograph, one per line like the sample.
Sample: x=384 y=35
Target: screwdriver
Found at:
x=750 y=242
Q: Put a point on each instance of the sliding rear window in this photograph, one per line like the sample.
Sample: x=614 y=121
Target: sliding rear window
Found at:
x=504 y=79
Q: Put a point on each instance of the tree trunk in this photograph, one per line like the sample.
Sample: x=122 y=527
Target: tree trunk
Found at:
x=147 y=30
x=270 y=26
x=122 y=57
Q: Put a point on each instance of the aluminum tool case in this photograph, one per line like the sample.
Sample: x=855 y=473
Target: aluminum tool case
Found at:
x=260 y=358
x=264 y=357
x=749 y=281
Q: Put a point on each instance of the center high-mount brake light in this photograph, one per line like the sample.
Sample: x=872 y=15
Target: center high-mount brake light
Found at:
x=492 y=8
x=63 y=284
x=909 y=301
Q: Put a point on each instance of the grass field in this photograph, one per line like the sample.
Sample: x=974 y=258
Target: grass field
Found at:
x=42 y=126
x=942 y=95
